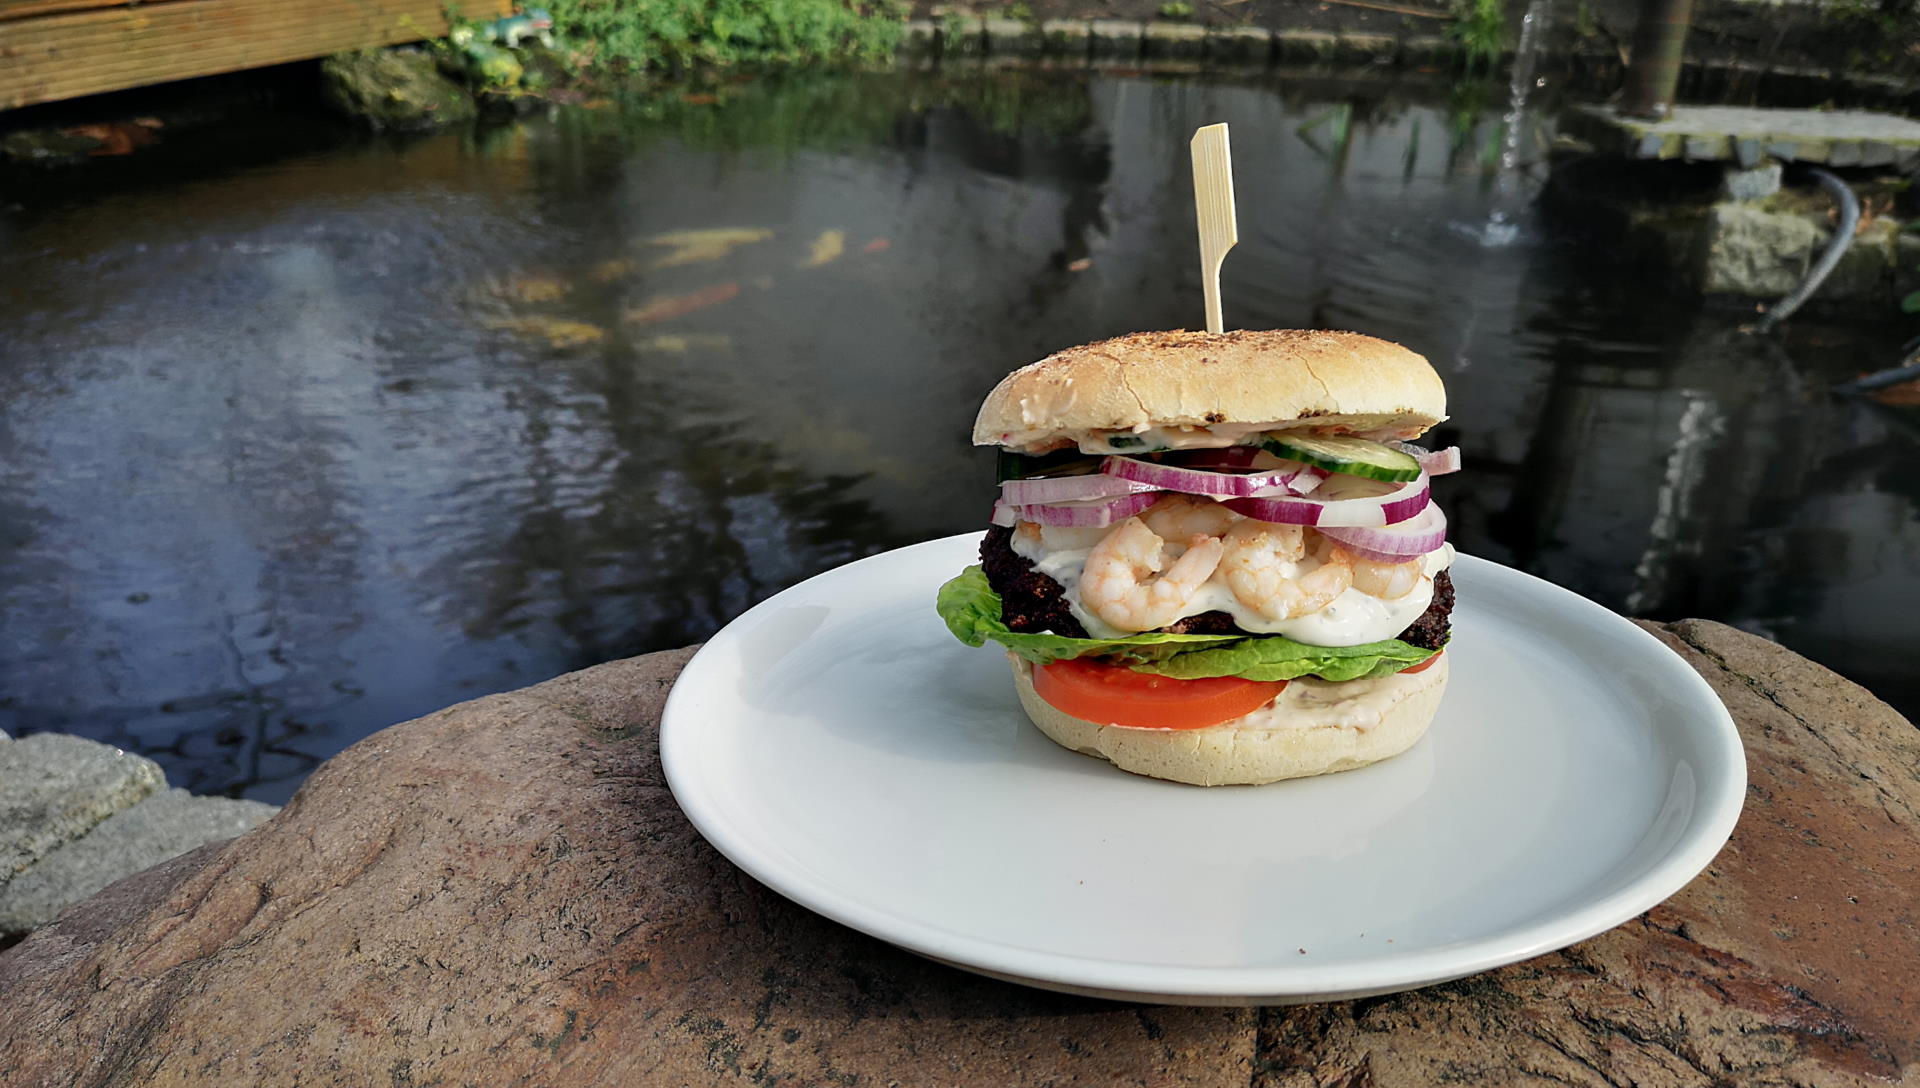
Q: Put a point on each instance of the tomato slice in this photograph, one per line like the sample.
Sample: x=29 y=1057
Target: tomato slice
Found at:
x=1098 y=691
x=1423 y=666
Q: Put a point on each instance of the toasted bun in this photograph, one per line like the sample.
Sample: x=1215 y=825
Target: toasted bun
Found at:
x=1339 y=380
x=1222 y=755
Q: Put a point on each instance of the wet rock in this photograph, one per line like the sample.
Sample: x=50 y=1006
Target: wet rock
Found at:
x=542 y=69
x=55 y=788
x=963 y=36
x=504 y=892
x=1756 y=182
x=164 y=825
x=1248 y=46
x=48 y=146
x=1354 y=47
x=395 y=90
x=1065 y=38
x=1754 y=252
x=1013 y=38
x=919 y=40
x=1114 y=39
x=1430 y=51
x=1174 y=41
x=1306 y=46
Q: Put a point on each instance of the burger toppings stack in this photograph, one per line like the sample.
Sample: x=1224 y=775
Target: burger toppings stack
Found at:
x=1216 y=558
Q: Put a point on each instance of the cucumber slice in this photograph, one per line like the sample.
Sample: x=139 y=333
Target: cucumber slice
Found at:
x=1067 y=462
x=1340 y=453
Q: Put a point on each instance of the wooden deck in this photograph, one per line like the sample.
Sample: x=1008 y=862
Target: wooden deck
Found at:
x=56 y=49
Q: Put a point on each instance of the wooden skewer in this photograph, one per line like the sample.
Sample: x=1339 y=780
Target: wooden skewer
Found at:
x=1213 y=206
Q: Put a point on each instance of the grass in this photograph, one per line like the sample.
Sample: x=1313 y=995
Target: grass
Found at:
x=680 y=35
x=1480 y=26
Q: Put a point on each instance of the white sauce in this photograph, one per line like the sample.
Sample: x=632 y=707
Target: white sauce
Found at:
x=1310 y=701
x=1351 y=619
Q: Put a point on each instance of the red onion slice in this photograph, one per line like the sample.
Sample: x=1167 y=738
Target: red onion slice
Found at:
x=1437 y=463
x=1397 y=543
x=1399 y=504
x=1090 y=514
x=1296 y=479
x=1005 y=515
x=1094 y=485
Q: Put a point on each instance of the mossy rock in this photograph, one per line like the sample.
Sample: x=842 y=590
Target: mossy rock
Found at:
x=543 y=69
x=47 y=147
x=399 y=91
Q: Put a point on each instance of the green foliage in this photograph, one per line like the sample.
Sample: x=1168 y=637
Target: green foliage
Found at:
x=1480 y=26
x=1911 y=304
x=1586 y=24
x=680 y=34
x=1020 y=10
x=1176 y=10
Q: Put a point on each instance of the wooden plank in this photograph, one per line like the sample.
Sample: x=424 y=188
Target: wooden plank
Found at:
x=69 y=54
x=24 y=9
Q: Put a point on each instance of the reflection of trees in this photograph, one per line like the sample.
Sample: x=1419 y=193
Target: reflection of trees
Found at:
x=668 y=533
x=1708 y=475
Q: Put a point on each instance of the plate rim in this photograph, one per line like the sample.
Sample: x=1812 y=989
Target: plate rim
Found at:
x=1716 y=812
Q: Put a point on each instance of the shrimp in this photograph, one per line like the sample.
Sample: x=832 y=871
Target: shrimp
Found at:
x=1259 y=561
x=1177 y=517
x=1387 y=581
x=1115 y=584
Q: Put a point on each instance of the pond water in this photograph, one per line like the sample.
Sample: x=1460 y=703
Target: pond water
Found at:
x=303 y=433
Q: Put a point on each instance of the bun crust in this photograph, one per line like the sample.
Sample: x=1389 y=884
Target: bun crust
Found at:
x=1224 y=756
x=1333 y=379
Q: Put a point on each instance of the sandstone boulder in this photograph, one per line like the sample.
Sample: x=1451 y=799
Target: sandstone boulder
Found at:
x=504 y=892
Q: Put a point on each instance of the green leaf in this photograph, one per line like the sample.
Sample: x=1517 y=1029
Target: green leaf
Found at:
x=972 y=611
x=1275 y=657
x=1911 y=304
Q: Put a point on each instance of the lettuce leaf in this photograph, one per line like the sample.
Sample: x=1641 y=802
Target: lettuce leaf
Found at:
x=972 y=611
x=1276 y=657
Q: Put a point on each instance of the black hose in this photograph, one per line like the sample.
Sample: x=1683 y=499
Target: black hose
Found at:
x=1908 y=371
x=1829 y=257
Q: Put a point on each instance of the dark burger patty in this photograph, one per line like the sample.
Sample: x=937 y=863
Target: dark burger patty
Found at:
x=1032 y=602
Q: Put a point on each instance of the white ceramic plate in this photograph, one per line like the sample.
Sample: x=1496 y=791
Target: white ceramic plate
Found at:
x=840 y=746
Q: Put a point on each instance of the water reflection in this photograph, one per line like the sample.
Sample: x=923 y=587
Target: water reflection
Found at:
x=295 y=449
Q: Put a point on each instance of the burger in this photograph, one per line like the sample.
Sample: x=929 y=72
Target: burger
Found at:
x=1214 y=557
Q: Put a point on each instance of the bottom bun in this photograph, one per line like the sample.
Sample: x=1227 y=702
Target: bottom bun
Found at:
x=1231 y=755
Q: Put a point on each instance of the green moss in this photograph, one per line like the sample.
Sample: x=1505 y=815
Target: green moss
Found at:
x=676 y=35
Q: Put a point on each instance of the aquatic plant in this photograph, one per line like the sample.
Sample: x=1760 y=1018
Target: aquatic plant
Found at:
x=1480 y=26
x=680 y=34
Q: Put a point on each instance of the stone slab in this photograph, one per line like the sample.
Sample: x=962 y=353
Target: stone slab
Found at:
x=919 y=39
x=1306 y=46
x=1355 y=47
x=1174 y=41
x=504 y=892
x=1240 y=45
x=54 y=788
x=163 y=825
x=1756 y=253
x=1013 y=38
x=1065 y=37
x=1114 y=39
x=1838 y=137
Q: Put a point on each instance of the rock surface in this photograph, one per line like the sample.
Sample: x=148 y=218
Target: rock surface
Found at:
x=504 y=892
x=54 y=788
x=395 y=90
x=164 y=825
